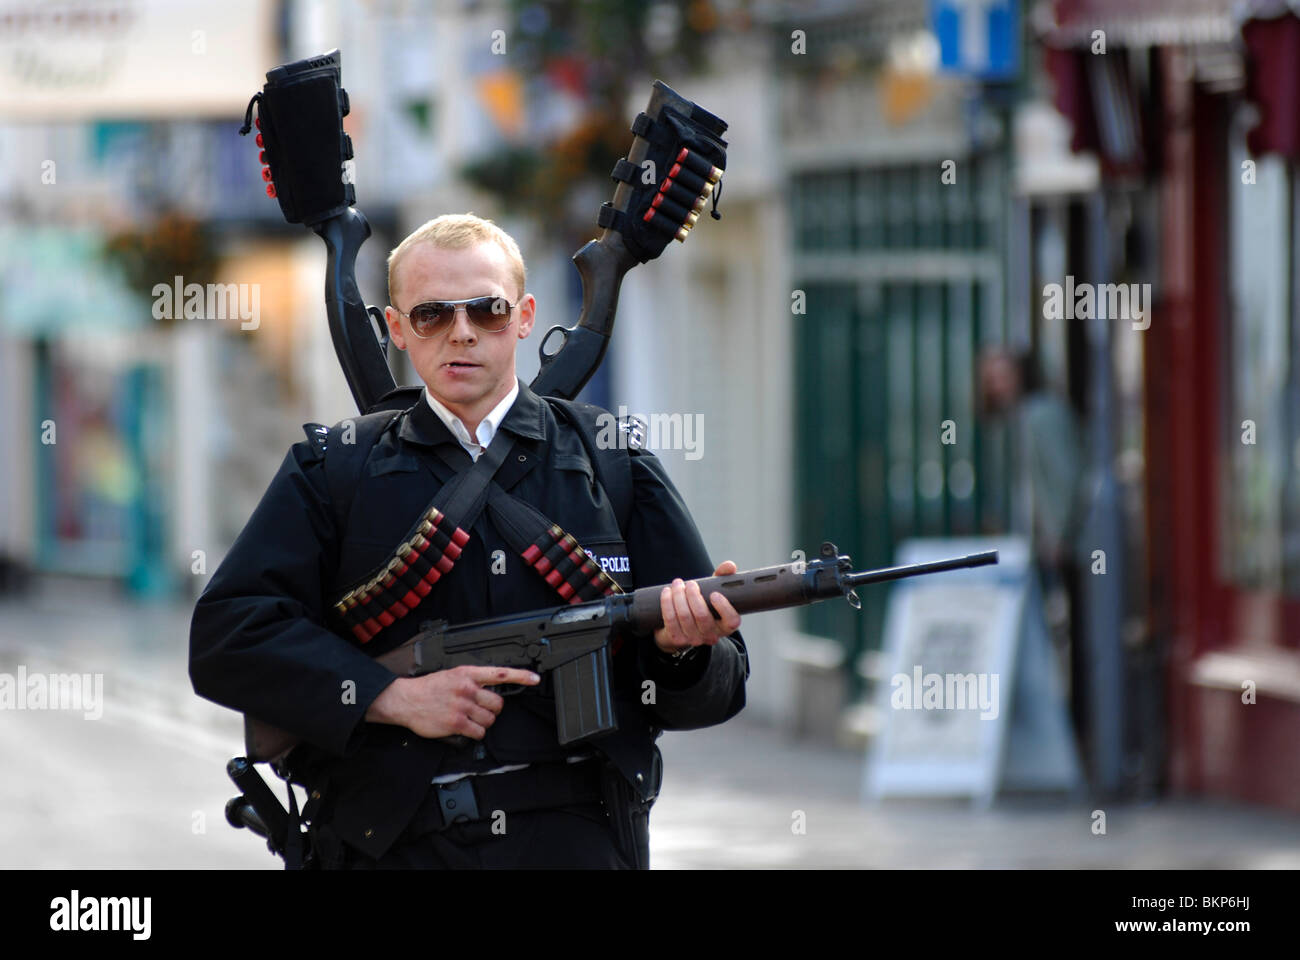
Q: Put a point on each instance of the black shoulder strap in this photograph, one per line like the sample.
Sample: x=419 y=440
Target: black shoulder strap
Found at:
x=345 y=447
x=344 y=461
x=612 y=463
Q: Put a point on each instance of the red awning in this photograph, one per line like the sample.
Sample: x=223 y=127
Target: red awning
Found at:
x=1097 y=95
x=1137 y=23
x=1273 y=84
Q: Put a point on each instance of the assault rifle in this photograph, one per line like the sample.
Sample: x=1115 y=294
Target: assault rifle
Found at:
x=572 y=643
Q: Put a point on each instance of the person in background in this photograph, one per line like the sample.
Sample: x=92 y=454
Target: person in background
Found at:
x=1048 y=469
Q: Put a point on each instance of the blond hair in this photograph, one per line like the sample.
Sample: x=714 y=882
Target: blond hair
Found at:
x=456 y=231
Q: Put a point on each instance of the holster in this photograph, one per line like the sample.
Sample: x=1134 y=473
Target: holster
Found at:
x=629 y=814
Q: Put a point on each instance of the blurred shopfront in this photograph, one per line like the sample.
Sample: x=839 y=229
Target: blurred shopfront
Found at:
x=1210 y=155
x=86 y=451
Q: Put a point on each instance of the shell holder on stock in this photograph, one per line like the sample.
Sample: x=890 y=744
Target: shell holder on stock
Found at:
x=687 y=156
x=302 y=145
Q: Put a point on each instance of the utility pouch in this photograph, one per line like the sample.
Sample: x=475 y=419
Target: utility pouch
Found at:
x=629 y=814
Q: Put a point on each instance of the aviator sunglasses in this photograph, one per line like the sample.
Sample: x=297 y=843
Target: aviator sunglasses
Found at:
x=431 y=318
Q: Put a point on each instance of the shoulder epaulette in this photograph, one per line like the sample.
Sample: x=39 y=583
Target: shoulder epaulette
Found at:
x=635 y=427
x=317 y=435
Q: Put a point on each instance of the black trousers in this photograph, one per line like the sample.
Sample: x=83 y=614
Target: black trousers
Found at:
x=578 y=837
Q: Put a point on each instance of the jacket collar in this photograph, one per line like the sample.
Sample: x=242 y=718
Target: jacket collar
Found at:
x=525 y=418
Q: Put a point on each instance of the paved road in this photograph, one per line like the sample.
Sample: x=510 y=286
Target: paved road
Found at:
x=145 y=786
x=141 y=787
x=731 y=794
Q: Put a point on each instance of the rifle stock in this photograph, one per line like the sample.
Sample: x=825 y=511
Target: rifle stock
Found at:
x=567 y=366
x=601 y=264
x=362 y=356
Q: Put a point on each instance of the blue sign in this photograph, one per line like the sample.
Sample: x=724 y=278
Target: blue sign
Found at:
x=978 y=38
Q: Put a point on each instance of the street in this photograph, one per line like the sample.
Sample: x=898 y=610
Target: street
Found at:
x=145 y=786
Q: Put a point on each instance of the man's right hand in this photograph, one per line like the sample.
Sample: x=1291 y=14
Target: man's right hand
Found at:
x=447 y=702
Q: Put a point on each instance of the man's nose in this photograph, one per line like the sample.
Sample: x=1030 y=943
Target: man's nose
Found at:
x=461 y=329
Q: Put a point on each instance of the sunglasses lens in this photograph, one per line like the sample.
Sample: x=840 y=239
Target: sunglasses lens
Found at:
x=429 y=318
x=489 y=313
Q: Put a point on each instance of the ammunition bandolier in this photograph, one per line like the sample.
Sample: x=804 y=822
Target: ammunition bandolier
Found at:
x=431 y=547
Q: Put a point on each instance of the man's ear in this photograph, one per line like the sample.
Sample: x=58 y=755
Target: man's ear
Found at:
x=527 y=314
x=394 y=321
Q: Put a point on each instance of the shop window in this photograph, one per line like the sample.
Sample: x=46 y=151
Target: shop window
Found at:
x=1260 y=440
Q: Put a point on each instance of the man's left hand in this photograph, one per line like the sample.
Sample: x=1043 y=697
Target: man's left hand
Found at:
x=687 y=620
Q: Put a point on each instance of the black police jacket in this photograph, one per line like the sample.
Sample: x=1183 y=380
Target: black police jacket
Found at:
x=264 y=639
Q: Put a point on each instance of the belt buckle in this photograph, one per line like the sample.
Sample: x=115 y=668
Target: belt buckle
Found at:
x=457 y=801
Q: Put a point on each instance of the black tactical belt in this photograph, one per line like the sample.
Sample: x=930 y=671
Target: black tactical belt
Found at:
x=543 y=786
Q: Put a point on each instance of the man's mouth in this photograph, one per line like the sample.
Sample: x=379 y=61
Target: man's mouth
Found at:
x=460 y=364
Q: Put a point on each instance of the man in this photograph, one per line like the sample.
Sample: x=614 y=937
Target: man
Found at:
x=387 y=789
x=1048 y=478
x=1047 y=442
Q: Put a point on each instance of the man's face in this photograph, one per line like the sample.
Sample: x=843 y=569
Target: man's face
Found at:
x=463 y=366
x=999 y=382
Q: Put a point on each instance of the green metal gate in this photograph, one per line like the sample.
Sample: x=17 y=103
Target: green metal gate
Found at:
x=903 y=281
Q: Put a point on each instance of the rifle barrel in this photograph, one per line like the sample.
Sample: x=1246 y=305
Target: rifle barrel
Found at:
x=912 y=569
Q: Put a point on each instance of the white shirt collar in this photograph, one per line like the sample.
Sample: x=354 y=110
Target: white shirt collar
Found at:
x=487 y=428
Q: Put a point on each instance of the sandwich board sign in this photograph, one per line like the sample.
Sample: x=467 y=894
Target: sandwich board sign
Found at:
x=972 y=700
